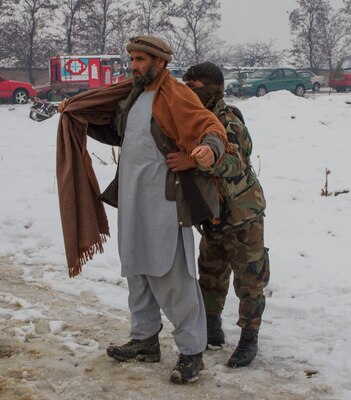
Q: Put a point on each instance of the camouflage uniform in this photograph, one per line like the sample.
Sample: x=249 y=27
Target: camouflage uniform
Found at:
x=234 y=242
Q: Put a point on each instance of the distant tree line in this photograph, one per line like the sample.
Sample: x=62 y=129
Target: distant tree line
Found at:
x=322 y=35
x=32 y=31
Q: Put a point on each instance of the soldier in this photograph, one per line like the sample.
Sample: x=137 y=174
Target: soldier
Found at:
x=235 y=241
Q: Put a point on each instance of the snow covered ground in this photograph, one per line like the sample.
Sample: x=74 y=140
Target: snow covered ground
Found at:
x=55 y=329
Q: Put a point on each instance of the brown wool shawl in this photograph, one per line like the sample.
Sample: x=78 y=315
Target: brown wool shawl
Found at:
x=181 y=115
x=176 y=109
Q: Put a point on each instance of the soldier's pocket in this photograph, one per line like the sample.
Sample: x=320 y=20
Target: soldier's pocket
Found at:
x=263 y=268
x=251 y=236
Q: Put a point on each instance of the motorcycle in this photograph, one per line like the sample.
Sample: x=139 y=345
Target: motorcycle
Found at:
x=42 y=109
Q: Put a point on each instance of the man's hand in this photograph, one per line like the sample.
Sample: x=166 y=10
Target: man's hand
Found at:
x=180 y=161
x=62 y=105
x=204 y=155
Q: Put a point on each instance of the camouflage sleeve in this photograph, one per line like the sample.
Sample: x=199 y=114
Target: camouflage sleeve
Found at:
x=216 y=145
x=230 y=166
x=238 y=133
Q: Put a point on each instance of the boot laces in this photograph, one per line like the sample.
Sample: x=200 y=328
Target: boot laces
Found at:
x=184 y=360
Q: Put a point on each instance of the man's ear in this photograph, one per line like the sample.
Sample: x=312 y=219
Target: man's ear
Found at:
x=161 y=62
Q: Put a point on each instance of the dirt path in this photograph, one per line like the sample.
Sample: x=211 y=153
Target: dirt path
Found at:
x=60 y=355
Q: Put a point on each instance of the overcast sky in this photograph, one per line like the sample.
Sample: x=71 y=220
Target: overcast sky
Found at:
x=251 y=20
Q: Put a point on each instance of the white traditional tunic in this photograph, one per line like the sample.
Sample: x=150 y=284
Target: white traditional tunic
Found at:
x=147 y=222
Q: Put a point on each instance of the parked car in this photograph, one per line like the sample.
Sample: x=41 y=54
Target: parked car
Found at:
x=178 y=72
x=43 y=91
x=316 y=80
x=16 y=91
x=236 y=77
x=263 y=81
x=342 y=83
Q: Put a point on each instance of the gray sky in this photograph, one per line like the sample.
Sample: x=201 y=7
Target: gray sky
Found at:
x=251 y=20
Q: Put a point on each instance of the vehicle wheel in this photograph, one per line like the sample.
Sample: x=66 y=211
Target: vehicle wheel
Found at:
x=261 y=91
x=20 y=96
x=340 y=90
x=300 y=90
x=316 y=86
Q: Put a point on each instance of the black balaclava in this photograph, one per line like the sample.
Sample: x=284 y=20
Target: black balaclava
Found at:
x=212 y=78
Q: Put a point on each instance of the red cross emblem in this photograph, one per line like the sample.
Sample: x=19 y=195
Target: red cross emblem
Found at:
x=75 y=66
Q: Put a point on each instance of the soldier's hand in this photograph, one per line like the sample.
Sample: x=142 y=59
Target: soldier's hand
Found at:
x=204 y=155
x=180 y=161
x=62 y=105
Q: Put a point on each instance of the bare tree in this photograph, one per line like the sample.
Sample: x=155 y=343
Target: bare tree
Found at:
x=178 y=42
x=8 y=30
x=347 y=14
x=200 y=19
x=256 y=54
x=347 y=7
x=334 y=29
x=72 y=23
x=153 y=16
x=124 y=29
x=31 y=36
x=320 y=33
x=304 y=26
x=99 y=26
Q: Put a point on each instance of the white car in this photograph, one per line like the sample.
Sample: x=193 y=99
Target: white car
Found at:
x=234 y=77
x=177 y=72
x=316 y=80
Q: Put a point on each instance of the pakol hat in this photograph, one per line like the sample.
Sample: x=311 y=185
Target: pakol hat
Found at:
x=207 y=72
x=151 y=45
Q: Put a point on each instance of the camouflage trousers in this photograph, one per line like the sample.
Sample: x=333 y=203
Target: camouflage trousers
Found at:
x=241 y=251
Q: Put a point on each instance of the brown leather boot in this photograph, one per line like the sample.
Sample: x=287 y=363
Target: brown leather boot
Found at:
x=147 y=350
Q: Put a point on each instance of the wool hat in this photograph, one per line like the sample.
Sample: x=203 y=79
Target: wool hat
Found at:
x=207 y=72
x=151 y=45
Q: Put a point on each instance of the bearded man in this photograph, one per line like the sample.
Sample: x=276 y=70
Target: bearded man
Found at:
x=156 y=207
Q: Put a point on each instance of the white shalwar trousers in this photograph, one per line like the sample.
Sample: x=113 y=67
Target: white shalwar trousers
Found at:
x=179 y=296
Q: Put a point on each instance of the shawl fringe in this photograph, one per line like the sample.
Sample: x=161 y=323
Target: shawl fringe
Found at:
x=87 y=253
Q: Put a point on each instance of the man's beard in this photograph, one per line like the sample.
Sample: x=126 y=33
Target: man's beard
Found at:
x=147 y=78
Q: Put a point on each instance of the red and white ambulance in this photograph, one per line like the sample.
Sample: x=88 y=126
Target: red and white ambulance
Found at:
x=72 y=74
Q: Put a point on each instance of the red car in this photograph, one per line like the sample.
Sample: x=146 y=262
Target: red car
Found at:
x=342 y=83
x=15 y=91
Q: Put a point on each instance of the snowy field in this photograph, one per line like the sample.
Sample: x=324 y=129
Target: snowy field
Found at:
x=55 y=329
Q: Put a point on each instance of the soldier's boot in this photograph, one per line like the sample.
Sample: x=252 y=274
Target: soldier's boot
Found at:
x=187 y=368
x=215 y=334
x=147 y=350
x=246 y=350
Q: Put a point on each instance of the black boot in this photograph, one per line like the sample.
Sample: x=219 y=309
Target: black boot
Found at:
x=187 y=368
x=147 y=350
x=246 y=350
x=215 y=334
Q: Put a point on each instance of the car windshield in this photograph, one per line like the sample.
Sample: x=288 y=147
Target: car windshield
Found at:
x=177 y=72
x=238 y=75
x=231 y=75
x=261 y=74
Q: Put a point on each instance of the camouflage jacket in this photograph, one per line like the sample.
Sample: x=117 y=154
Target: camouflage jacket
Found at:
x=242 y=198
